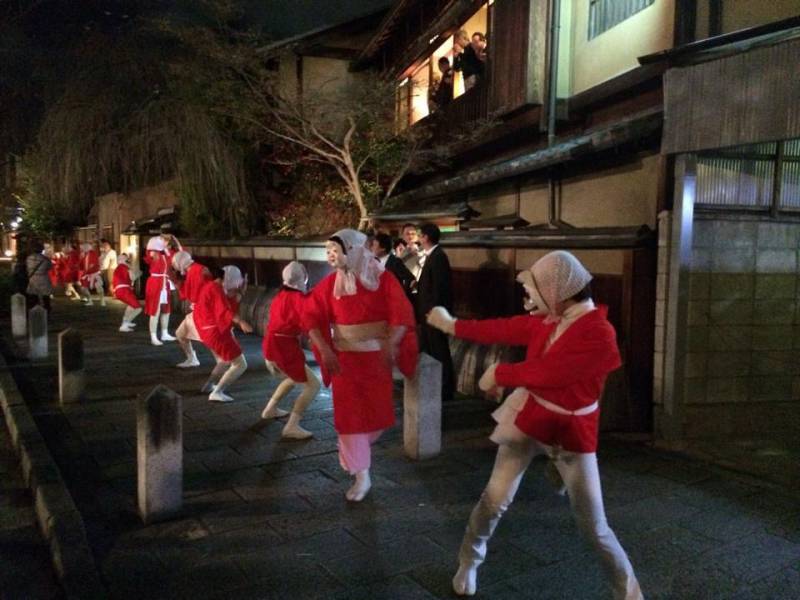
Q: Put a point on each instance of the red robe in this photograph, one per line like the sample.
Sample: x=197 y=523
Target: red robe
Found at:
x=362 y=391
x=123 y=288
x=72 y=266
x=571 y=373
x=55 y=271
x=90 y=269
x=156 y=284
x=281 y=344
x=213 y=317
x=196 y=277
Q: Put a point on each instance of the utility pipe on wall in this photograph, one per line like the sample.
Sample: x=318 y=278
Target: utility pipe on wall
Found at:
x=552 y=83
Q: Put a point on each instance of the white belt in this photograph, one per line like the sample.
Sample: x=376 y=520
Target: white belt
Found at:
x=586 y=410
x=158 y=274
x=116 y=287
x=208 y=327
x=287 y=335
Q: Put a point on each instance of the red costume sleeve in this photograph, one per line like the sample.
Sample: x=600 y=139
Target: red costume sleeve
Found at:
x=223 y=310
x=512 y=331
x=592 y=354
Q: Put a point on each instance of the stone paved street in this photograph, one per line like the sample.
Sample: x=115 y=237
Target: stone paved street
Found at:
x=25 y=569
x=265 y=518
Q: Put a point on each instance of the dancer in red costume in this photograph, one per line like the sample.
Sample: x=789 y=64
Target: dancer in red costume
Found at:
x=554 y=410
x=90 y=276
x=215 y=314
x=373 y=328
x=283 y=353
x=122 y=284
x=70 y=266
x=195 y=277
x=157 y=303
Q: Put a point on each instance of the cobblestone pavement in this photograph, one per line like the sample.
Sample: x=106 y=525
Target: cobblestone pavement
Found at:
x=266 y=518
x=25 y=568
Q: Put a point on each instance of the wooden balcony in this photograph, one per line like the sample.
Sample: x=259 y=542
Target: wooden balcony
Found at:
x=471 y=106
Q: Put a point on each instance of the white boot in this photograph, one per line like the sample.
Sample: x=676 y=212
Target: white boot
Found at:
x=191 y=361
x=126 y=327
x=292 y=429
x=360 y=487
x=273 y=413
x=165 y=336
x=218 y=395
x=153 y=329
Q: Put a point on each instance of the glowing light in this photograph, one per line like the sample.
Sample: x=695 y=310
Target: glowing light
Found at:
x=402 y=83
x=14 y=224
x=8 y=253
x=433 y=39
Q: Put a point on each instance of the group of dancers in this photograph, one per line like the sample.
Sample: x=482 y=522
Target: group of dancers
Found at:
x=78 y=268
x=361 y=324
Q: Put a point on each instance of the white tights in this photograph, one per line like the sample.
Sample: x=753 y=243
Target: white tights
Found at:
x=582 y=480
x=130 y=314
x=225 y=373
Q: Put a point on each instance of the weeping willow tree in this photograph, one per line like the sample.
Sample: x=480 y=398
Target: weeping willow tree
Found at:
x=140 y=106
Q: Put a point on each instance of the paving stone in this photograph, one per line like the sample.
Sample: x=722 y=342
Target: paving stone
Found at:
x=783 y=585
x=756 y=556
x=400 y=588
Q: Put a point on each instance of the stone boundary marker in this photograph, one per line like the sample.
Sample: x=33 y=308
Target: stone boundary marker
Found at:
x=58 y=517
x=422 y=410
x=71 y=376
x=159 y=455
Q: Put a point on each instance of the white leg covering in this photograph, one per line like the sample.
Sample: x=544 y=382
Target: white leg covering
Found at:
x=509 y=467
x=216 y=373
x=69 y=290
x=360 y=487
x=85 y=295
x=154 y=331
x=101 y=293
x=582 y=478
x=165 y=336
x=292 y=429
x=130 y=314
x=235 y=369
x=271 y=410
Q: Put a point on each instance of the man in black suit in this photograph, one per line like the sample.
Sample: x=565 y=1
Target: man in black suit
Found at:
x=434 y=289
x=381 y=247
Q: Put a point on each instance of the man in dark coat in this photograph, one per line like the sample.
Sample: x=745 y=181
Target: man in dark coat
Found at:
x=434 y=289
x=382 y=249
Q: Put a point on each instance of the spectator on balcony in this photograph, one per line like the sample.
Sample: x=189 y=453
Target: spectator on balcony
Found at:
x=411 y=257
x=442 y=89
x=472 y=61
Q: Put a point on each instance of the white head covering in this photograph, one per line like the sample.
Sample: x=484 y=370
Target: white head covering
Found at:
x=233 y=279
x=360 y=263
x=157 y=244
x=553 y=278
x=182 y=261
x=85 y=247
x=122 y=259
x=295 y=276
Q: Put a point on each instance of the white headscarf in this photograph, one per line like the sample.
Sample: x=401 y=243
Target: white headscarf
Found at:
x=85 y=247
x=122 y=259
x=182 y=261
x=156 y=244
x=360 y=263
x=233 y=279
x=295 y=276
x=553 y=278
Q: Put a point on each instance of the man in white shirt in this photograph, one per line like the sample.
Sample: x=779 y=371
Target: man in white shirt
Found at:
x=108 y=262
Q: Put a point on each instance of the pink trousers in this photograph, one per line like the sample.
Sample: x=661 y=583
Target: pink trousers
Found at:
x=355 y=453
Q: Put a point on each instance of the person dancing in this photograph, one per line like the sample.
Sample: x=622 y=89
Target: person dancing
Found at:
x=373 y=328
x=195 y=276
x=283 y=353
x=122 y=284
x=555 y=411
x=157 y=291
x=214 y=316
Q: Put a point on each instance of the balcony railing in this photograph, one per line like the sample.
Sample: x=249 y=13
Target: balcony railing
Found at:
x=470 y=106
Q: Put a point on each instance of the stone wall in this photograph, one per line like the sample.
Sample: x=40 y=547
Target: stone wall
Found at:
x=742 y=374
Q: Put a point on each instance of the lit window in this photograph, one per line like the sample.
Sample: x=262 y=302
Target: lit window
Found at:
x=605 y=14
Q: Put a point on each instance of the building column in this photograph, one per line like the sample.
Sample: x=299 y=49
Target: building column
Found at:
x=669 y=423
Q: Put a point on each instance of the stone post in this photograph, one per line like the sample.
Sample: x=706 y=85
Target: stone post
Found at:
x=422 y=410
x=71 y=381
x=19 y=316
x=159 y=454
x=37 y=333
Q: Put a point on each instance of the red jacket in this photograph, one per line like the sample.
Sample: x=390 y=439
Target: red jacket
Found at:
x=571 y=373
x=213 y=317
x=196 y=277
x=281 y=343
